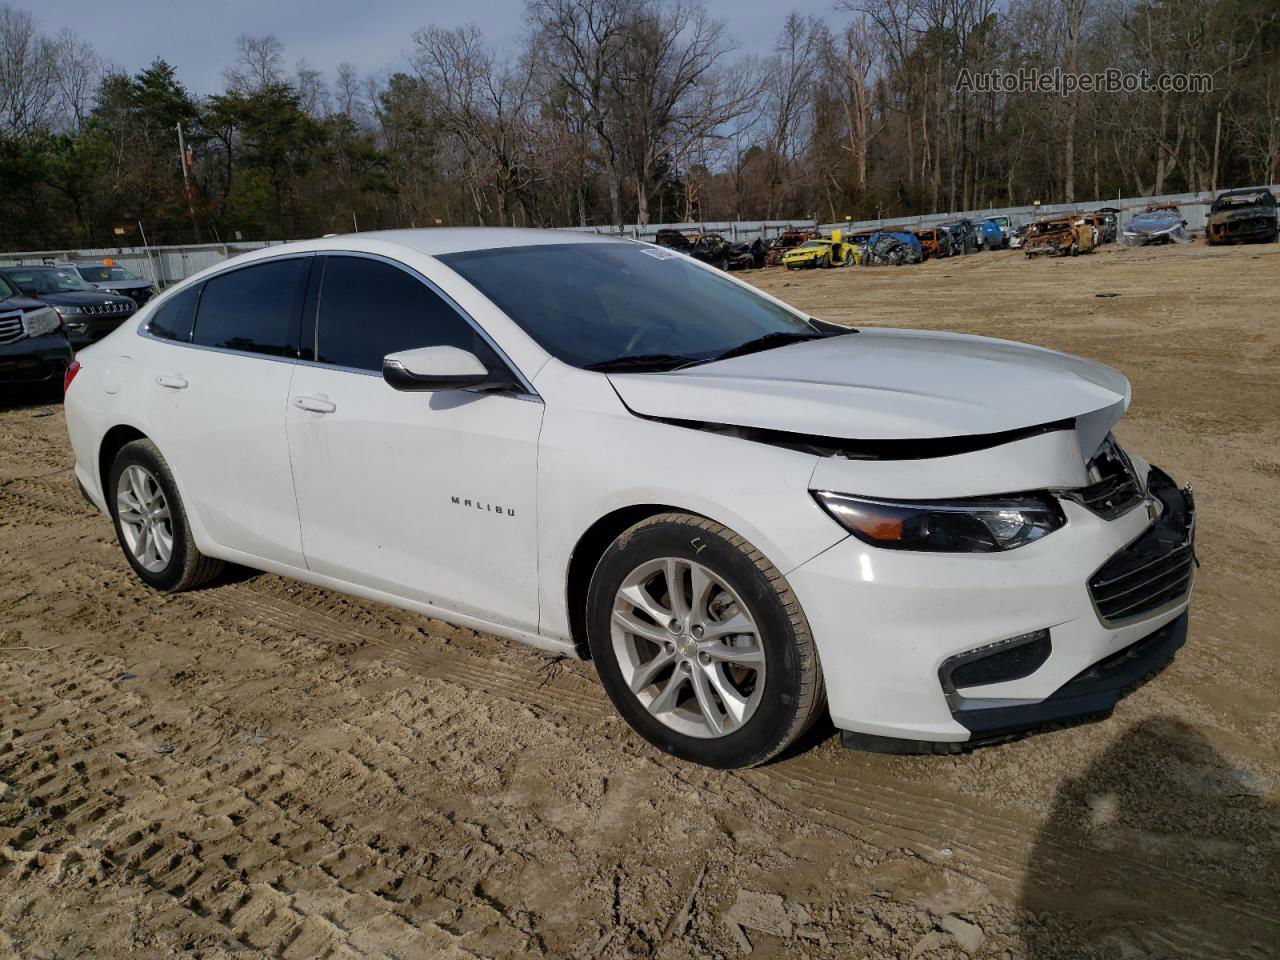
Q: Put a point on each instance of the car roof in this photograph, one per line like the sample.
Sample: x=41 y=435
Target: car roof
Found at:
x=437 y=241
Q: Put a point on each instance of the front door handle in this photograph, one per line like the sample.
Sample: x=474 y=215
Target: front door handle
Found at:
x=172 y=381
x=320 y=404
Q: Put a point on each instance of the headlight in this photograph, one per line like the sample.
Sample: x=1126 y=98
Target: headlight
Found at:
x=984 y=525
x=42 y=321
x=68 y=311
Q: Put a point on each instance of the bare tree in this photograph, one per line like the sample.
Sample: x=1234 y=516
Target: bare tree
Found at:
x=78 y=70
x=259 y=63
x=28 y=75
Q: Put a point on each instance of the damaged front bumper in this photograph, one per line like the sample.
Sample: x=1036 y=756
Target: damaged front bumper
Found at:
x=970 y=649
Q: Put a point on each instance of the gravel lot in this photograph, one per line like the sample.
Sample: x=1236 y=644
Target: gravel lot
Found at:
x=261 y=768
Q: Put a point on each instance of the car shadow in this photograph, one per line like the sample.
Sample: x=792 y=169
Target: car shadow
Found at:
x=1162 y=847
x=34 y=397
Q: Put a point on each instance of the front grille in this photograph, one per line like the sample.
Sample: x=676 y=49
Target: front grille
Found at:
x=11 y=328
x=109 y=309
x=1113 y=489
x=1155 y=570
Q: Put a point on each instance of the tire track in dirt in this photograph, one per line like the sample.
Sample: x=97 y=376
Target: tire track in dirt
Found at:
x=310 y=885
x=992 y=846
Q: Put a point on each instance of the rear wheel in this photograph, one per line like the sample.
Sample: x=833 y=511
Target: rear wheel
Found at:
x=700 y=643
x=151 y=523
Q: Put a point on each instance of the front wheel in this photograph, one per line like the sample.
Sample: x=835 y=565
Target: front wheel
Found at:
x=701 y=644
x=151 y=523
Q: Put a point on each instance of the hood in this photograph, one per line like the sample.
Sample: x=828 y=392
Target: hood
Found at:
x=84 y=298
x=889 y=385
x=1155 y=221
x=114 y=285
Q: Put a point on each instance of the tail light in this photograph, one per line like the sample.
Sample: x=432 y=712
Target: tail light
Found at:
x=72 y=369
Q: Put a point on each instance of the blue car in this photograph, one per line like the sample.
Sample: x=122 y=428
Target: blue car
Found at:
x=991 y=236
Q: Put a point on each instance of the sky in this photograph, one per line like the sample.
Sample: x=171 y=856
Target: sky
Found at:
x=199 y=38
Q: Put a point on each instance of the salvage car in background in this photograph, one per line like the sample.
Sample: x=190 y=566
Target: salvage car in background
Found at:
x=787 y=240
x=1159 y=223
x=747 y=255
x=673 y=240
x=113 y=278
x=711 y=248
x=934 y=242
x=1061 y=236
x=87 y=314
x=33 y=345
x=1242 y=215
x=1018 y=236
x=990 y=236
x=892 y=248
x=747 y=517
x=822 y=252
x=1110 y=228
x=963 y=237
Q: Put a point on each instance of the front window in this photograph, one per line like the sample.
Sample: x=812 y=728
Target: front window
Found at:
x=7 y=289
x=97 y=273
x=47 y=280
x=592 y=304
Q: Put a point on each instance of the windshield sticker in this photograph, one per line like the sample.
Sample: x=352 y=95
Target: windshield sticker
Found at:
x=658 y=253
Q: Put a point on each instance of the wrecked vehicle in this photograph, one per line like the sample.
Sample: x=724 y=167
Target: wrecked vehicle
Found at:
x=990 y=236
x=893 y=248
x=1059 y=236
x=710 y=248
x=964 y=239
x=934 y=242
x=1159 y=223
x=822 y=252
x=1110 y=224
x=787 y=240
x=1238 y=216
x=749 y=518
x=747 y=255
x=1016 y=238
x=673 y=240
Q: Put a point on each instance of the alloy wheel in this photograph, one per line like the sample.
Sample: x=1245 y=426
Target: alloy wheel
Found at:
x=688 y=647
x=145 y=521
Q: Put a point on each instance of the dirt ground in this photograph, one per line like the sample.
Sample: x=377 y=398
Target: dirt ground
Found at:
x=262 y=768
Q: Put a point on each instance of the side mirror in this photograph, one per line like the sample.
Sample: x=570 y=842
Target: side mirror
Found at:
x=434 y=368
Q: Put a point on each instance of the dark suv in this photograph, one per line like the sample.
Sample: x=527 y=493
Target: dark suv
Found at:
x=113 y=278
x=88 y=314
x=33 y=346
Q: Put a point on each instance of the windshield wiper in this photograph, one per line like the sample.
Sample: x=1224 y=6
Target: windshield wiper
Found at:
x=640 y=361
x=767 y=342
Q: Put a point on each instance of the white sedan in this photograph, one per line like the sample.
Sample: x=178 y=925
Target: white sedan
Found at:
x=745 y=516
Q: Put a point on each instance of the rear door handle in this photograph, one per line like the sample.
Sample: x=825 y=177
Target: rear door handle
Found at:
x=172 y=381
x=320 y=404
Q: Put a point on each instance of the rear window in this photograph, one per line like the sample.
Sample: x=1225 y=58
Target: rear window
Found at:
x=254 y=308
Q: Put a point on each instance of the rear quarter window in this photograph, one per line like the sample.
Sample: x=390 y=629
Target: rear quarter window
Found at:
x=174 y=319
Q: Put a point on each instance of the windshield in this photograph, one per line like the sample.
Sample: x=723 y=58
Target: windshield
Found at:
x=7 y=290
x=592 y=303
x=102 y=274
x=813 y=243
x=46 y=279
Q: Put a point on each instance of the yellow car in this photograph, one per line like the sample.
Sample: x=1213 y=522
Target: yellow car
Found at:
x=823 y=252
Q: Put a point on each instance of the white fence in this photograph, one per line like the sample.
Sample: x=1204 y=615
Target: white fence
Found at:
x=166 y=265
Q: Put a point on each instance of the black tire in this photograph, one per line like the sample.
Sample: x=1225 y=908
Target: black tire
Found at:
x=187 y=567
x=793 y=693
